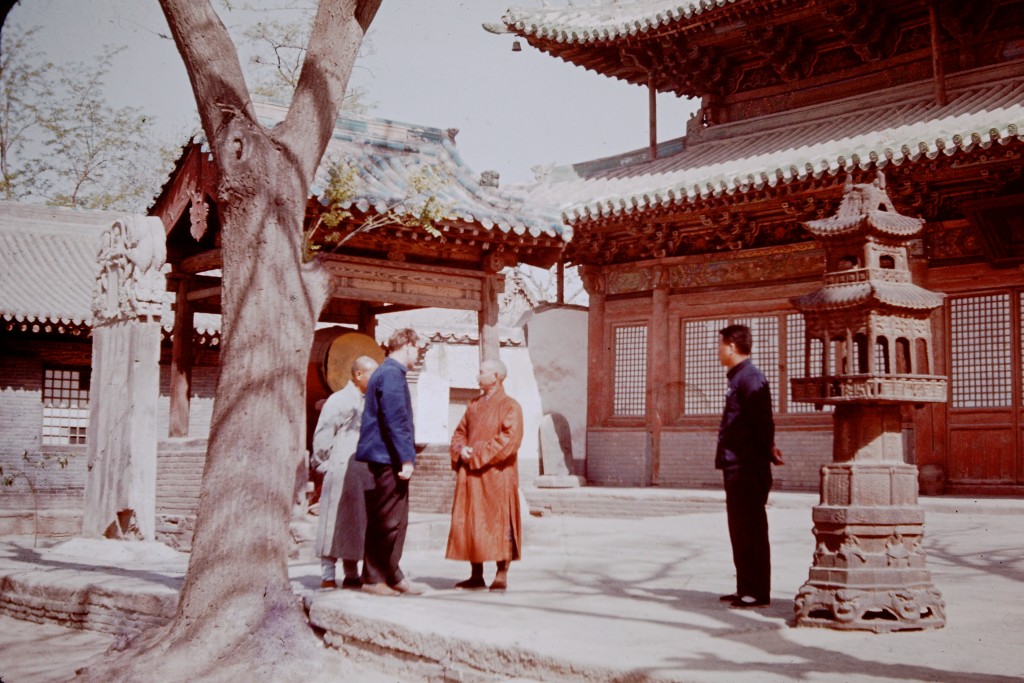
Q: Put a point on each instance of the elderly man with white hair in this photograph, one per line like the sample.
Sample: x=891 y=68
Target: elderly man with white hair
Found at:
x=486 y=525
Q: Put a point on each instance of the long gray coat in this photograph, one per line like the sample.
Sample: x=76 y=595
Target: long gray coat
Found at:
x=341 y=527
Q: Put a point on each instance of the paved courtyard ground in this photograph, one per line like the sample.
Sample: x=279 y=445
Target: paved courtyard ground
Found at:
x=620 y=599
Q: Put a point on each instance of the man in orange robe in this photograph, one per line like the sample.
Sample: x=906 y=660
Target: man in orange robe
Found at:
x=486 y=525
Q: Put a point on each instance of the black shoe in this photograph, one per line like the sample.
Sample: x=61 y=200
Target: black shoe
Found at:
x=352 y=583
x=731 y=597
x=748 y=602
x=473 y=583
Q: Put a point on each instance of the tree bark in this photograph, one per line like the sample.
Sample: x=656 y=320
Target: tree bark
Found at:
x=237 y=616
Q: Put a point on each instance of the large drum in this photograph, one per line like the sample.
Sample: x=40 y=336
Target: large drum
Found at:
x=330 y=367
x=334 y=350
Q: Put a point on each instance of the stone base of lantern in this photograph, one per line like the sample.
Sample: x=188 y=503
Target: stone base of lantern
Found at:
x=869 y=568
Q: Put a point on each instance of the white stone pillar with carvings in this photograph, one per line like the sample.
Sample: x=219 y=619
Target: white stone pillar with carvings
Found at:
x=120 y=490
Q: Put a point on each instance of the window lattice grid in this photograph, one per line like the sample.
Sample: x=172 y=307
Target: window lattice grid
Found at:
x=796 y=363
x=65 y=407
x=630 y=387
x=704 y=380
x=980 y=345
x=765 y=353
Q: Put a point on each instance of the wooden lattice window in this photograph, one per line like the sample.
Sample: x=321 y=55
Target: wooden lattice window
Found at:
x=795 y=359
x=704 y=378
x=629 y=393
x=703 y=375
x=766 y=352
x=65 y=406
x=980 y=346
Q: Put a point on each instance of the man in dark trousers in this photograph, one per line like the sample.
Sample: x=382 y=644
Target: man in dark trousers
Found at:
x=745 y=454
x=386 y=445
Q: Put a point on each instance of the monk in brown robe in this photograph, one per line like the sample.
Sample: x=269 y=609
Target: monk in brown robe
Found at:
x=486 y=525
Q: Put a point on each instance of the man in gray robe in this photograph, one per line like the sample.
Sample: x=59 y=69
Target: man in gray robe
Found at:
x=341 y=527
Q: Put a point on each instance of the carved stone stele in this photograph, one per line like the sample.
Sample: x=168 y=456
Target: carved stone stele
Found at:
x=120 y=491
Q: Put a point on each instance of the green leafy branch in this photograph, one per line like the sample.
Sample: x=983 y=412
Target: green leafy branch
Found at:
x=420 y=207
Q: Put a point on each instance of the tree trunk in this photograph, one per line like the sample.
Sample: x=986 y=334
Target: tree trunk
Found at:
x=237 y=616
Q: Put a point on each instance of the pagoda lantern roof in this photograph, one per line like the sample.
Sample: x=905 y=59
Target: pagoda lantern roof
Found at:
x=866 y=209
x=869 y=294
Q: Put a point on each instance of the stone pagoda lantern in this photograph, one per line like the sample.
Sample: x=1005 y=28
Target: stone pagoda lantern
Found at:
x=868 y=352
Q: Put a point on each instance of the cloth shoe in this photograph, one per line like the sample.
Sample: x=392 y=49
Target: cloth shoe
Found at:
x=379 y=589
x=473 y=583
x=328 y=583
x=352 y=583
x=409 y=588
x=748 y=602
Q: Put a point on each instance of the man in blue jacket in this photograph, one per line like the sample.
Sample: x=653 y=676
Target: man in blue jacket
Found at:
x=386 y=445
x=745 y=454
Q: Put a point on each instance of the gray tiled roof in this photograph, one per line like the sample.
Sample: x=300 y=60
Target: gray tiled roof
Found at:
x=389 y=154
x=889 y=127
x=48 y=265
x=604 y=20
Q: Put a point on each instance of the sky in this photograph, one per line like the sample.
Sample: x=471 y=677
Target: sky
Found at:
x=427 y=62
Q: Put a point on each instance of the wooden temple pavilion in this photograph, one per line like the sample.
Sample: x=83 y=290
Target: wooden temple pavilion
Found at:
x=679 y=240
x=392 y=267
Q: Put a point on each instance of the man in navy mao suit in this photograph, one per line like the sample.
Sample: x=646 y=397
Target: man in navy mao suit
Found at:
x=386 y=445
x=745 y=454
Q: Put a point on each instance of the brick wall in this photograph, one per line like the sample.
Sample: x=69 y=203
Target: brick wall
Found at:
x=687 y=458
x=432 y=487
x=179 y=471
x=618 y=457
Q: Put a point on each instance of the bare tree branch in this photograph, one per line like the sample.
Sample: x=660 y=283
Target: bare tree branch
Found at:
x=324 y=77
x=211 y=61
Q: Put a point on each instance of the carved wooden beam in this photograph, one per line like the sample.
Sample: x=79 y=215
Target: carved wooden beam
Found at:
x=202 y=262
x=785 y=50
x=867 y=27
x=964 y=20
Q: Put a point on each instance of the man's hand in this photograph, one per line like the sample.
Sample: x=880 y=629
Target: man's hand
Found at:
x=406 y=471
x=465 y=453
x=777 y=456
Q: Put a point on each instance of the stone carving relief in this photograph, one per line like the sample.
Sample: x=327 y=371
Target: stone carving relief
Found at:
x=131 y=284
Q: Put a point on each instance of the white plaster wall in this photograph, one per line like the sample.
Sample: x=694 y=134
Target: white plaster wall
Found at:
x=455 y=366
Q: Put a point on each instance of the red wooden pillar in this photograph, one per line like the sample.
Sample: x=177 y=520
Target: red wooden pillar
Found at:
x=182 y=355
x=597 y=345
x=488 y=318
x=367 y=320
x=658 y=373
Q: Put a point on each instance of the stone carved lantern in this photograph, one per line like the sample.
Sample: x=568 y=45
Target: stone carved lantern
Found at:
x=868 y=352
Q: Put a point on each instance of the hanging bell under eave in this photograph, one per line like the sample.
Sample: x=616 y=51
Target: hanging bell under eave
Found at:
x=517 y=46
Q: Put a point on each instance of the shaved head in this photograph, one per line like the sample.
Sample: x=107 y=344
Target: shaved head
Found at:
x=496 y=366
x=364 y=363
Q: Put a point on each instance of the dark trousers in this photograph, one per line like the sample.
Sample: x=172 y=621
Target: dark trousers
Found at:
x=387 y=518
x=746 y=493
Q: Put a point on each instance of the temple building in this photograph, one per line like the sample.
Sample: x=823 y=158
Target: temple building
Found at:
x=61 y=268
x=678 y=240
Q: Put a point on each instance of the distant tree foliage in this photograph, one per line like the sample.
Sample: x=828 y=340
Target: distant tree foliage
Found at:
x=21 y=78
x=62 y=143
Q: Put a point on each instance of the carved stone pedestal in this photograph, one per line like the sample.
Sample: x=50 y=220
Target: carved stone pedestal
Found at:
x=869 y=569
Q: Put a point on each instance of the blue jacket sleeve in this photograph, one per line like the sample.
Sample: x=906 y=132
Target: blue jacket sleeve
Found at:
x=395 y=417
